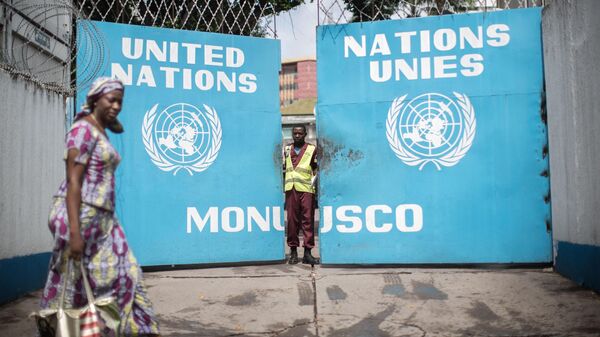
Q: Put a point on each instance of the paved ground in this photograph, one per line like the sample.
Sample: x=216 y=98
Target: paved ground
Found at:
x=284 y=300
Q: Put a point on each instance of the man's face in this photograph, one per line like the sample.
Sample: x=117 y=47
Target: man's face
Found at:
x=298 y=134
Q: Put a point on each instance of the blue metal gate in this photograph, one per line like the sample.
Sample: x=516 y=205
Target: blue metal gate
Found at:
x=433 y=140
x=200 y=177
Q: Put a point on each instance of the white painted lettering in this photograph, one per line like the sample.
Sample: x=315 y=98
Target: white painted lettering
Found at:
x=371 y=222
x=380 y=45
x=467 y=36
x=235 y=219
x=237 y=225
x=382 y=75
x=405 y=41
x=441 y=68
x=146 y=77
x=409 y=72
x=169 y=76
x=498 y=35
x=223 y=80
x=254 y=216
x=204 y=80
x=212 y=54
x=234 y=57
x=138 y=48
x=350 y=44
x=342 y=215
x=247 y=83
x=159 y=53
x=277 y=225
x=472 y=65
x=117 y=71
x=212 y=215
x=191 y=49
x=417 y=217
x=444 y=39
x=173 y=52
x=326 y=218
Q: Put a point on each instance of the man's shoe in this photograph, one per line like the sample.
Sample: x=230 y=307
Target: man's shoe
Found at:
x=293 y=257
x=308 y=258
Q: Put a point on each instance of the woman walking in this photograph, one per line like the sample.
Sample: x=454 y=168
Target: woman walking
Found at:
x=83 y=223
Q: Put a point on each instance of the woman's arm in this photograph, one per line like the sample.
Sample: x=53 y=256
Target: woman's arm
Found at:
x=75 y=173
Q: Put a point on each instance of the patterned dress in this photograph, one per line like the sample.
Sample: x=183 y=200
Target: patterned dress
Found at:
x=112 y=268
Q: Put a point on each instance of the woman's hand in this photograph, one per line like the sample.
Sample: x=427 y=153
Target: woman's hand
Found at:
x=76 y=246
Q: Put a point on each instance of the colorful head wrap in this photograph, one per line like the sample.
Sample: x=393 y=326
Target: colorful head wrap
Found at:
x=100 y=87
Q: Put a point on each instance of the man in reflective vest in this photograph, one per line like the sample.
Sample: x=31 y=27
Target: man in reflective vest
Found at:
x=300 y=168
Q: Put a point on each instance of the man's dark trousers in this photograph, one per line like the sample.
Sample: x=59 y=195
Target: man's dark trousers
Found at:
x=300 y=215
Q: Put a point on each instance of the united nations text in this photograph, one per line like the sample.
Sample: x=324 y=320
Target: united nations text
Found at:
x=426 y=54
x=207 y=67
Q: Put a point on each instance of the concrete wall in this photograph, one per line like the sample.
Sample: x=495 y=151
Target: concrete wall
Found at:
x=571 y=36
x=32 y=132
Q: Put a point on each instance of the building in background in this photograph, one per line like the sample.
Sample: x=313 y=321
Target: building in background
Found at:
x=298 y=97
x=297 y=81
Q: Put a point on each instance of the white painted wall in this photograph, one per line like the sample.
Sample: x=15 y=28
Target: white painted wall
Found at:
x=32 y=129
x=571 y=33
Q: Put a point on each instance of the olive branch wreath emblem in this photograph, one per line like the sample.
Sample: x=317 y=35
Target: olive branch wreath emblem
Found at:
x=162 y=163
x=451 y=158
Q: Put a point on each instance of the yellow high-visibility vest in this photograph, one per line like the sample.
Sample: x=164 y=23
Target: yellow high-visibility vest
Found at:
x=299 y=177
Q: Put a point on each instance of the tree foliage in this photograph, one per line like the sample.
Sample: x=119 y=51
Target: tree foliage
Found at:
x=373 y=10
x=239 y=17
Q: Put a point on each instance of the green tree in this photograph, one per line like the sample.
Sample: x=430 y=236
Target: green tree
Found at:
x=373 y=10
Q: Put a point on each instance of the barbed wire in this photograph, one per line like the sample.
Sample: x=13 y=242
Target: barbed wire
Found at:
x=39 y=41
x=348 y=11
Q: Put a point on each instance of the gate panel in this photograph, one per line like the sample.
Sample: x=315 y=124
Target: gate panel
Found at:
x=200 y=179
x=433 y=140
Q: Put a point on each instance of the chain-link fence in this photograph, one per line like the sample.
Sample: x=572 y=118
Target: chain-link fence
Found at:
x=38 y=39
x=38 y=36
x=347 y=11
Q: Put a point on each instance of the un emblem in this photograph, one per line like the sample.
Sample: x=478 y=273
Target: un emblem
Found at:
x=431 y=128
x=182 y=136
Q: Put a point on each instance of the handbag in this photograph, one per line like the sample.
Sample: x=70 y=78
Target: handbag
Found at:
x=88 y=321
